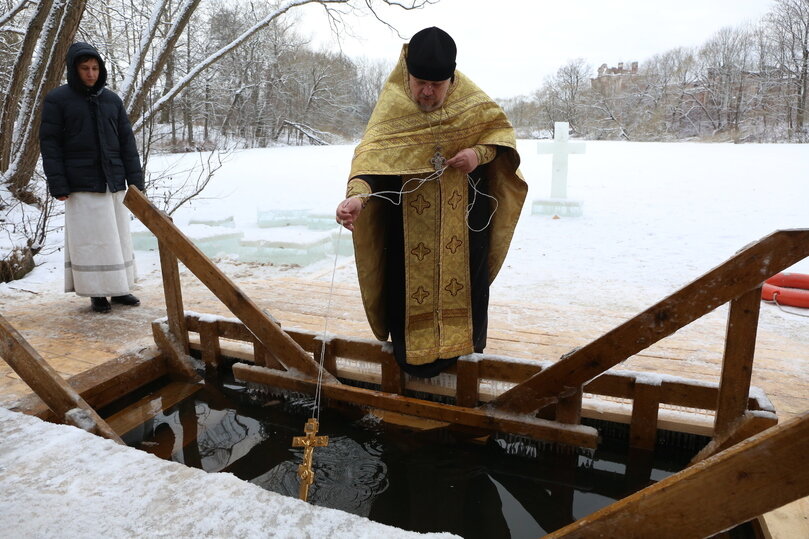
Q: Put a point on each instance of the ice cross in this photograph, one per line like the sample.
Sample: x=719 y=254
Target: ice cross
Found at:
x=560 y=148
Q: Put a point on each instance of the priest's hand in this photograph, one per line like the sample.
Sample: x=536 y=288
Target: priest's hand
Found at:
x=348 y=211
x=466 y=160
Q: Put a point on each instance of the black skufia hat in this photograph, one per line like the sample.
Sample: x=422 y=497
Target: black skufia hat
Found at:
x=431 y=55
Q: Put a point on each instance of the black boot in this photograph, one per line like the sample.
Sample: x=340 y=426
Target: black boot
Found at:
x=128 y=299
x=100 y=305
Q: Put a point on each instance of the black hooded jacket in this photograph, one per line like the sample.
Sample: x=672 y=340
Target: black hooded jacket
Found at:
x=85 y=136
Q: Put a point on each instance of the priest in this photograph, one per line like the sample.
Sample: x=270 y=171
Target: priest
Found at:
x=433 y=198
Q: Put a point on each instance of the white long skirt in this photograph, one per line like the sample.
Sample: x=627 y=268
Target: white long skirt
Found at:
x=99 y=259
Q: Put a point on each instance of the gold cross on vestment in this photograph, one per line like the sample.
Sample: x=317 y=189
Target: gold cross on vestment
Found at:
x=308 y=442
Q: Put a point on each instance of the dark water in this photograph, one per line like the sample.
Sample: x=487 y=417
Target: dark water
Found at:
x=419 y=481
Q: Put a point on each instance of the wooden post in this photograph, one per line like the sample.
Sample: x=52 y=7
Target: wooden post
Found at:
x=263 y=357
x=737 y=365
x=172 y=289
x=177 y=362
x=724 y=283
x=645 y=409
x=262 y=326
x=467 y=384
x=751 y=478
x=209 y=342
x=46 y=382
x=329 y=359
x=568 y=409
x=393 y=379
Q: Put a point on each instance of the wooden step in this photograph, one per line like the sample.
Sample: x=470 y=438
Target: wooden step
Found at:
x=149 y=406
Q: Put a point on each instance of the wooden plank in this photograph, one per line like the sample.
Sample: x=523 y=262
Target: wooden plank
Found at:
x=467 y=387
x=737 y=365
x=46 y=382
x=209 y=342
x=149 y=406
x=737 y=276
x=755 y=476
x=645 y=409
x=744 y=427
x=102 y=384
x=787 y=522
x=262 y=326
x=576 y=435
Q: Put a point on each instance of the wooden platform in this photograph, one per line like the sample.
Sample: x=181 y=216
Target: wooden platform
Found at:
x=64 y=331
x=73 y=339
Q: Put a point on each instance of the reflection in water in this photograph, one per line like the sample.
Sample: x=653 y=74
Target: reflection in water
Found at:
x=348 y=476
x=420 y=481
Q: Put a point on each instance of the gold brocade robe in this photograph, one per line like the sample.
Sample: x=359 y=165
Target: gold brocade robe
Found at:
x=401 y=140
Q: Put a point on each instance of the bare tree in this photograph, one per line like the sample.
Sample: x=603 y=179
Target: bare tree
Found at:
x=790 y=33
x=132 y=36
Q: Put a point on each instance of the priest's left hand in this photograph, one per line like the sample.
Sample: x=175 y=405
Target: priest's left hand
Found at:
x=466 y=160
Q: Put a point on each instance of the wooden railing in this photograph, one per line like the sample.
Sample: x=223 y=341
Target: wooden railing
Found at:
x=738 y=281
x=174 y=245
x=562 y=384
x=762 y=470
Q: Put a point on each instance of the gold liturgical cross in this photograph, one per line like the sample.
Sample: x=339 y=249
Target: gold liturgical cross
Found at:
x=308 y=442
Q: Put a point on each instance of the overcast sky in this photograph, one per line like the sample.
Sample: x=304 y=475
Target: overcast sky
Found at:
x=508 y=47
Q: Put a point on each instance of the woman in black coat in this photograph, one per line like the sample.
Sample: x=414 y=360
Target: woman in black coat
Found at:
x=89 y=156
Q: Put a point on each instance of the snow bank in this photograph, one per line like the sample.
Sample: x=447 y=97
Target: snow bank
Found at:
x=59 y=481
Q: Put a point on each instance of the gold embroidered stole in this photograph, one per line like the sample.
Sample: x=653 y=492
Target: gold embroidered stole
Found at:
x=438 y=315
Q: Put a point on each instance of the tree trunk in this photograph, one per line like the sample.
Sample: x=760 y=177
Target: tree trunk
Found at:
x=20 y=73
x=28 y=147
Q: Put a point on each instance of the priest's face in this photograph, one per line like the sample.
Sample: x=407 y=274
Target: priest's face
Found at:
x=429 y=95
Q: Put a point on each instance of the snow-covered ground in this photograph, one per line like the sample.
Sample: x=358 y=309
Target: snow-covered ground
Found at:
x=59 y=481
x=656 y=217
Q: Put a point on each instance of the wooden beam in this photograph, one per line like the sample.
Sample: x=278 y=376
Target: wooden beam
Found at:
x=262 y=326
x=46 y=382
x=177 y=361
x=749 y=424
x=737 y=365
x=575 y=435
x=741 y=273
x=173 y=292
x=754 y=476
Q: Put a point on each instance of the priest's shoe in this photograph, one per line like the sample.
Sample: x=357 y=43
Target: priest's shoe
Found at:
x=128 y=299
x=100 y=305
